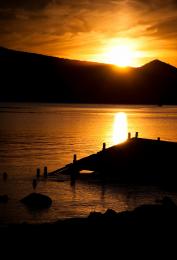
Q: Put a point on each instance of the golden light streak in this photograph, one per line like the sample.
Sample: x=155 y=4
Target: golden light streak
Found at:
x=120 y=128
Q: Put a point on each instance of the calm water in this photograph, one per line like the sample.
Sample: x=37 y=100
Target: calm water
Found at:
x=36 y=135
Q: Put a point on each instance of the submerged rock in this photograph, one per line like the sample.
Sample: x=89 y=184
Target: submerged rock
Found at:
x=4 y=199
x=37 y=201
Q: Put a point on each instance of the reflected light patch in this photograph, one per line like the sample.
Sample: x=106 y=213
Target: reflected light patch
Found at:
x=120 y=128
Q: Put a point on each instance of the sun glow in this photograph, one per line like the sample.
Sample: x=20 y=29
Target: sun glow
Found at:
x=120 y=128
x=123 y=52
x=121 y=55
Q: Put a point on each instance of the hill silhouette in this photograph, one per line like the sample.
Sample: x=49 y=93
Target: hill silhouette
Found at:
x=40 y=78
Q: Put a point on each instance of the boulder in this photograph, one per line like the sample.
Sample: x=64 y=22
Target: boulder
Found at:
x=37 y=201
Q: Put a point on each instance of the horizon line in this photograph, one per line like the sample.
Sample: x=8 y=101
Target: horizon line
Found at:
x=88 y=61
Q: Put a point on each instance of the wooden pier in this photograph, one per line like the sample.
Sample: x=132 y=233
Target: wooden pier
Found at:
x=137 y=160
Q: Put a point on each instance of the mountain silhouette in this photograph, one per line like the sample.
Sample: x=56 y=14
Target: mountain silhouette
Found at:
x=40 y=78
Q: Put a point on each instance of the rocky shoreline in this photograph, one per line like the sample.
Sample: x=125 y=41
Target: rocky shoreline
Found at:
x=159 y=216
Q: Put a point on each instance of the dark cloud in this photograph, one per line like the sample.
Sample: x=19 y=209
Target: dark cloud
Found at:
x=7 y=15
x=40 y=4
x=84 y=15
x=164 y=28
x=89 y=4
x=67 y=24
x=24 y=4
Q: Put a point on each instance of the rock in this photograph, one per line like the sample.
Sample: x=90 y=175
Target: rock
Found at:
x=37 y=201
x=4 y=199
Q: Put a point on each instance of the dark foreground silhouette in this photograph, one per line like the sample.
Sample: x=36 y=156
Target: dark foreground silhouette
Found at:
x=153 y=217
x=144 y=231
x=148 y=232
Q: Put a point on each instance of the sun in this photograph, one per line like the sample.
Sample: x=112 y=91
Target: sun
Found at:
x=122 y=56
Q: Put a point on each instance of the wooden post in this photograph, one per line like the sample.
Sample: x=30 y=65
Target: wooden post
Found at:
x=45 y=172
x=5 y=176
x=38 y=173
x=129 y=136
x=74 y=170
x=34 y=184
x=74 y=158
x=104 y=147
x=136 y=135
x=158 y=138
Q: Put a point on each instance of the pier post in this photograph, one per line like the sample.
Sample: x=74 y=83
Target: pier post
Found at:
x=5 y=176
x=158 y=138
x=38 y=173
x=34 y=184
x=74 y=170
x=104 y=147
x=129 y=136
x=45 y=172
x=136 y=135
x=74 y=158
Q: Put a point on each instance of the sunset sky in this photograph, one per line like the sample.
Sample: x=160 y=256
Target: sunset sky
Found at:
x=125 y=32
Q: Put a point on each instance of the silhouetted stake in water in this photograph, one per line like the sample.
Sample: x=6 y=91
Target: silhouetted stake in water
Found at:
x=129 y=136
x=158 y=138
x=104 y=147
x=34 y=184
x=45 y=172
x=74 y=158
x=136 y=135
x=38 y=173
x=73 y=180
x=74 y=175
x=5 y=176
x=74 y=171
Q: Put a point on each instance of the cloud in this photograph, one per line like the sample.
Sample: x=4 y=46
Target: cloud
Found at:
x=164 y=29
x=21 y=4
x=67 y=27
x=107 y=16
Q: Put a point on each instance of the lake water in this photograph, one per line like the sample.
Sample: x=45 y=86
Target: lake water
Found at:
x=38 y=135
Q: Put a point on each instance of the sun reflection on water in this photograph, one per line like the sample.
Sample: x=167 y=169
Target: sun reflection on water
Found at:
x=120 y=128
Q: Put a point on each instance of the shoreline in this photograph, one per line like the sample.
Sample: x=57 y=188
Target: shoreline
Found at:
x=161 y=215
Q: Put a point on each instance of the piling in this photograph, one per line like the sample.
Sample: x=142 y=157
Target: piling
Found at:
x=45 y=172
x=136 y=135
x=158 y=138
x=104 y=147
x=129 y=136
x=34 y=184
x=5 y=176
x=38 y=173
x=74 y=158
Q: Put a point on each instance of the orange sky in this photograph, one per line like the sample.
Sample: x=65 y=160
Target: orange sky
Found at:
x=92 y=30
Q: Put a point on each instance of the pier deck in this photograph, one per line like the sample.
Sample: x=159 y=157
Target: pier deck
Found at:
x=136 y=160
